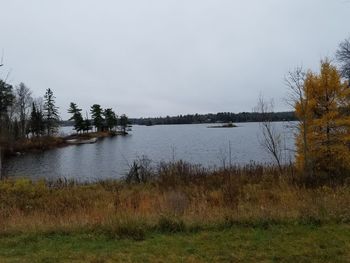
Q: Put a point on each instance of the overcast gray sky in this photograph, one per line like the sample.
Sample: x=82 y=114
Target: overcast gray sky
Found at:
x=166 y=57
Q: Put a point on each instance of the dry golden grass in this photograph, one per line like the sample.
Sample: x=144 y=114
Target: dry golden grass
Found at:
x=175 y=196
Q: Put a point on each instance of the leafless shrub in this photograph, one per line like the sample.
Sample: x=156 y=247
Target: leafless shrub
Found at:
x=140 y=171
x=270 y=139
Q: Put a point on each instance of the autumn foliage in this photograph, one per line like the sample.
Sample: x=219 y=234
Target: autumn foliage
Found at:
x=323 y=140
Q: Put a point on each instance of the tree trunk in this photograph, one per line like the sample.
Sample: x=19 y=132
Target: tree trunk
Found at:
x=0 y=164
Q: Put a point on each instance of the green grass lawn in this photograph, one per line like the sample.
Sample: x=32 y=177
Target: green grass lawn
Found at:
x=277 y=243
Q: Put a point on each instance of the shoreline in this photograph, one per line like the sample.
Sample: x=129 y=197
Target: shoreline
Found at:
x=41 y=144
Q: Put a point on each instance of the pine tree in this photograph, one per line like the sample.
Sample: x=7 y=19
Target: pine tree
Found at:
x=33 y=120
x=7 y=99
x=111 y=118
x=50 y=113
x=37 y=125
x=123 y=123
x=77 y=117
x=87 y=126
x=96 y=113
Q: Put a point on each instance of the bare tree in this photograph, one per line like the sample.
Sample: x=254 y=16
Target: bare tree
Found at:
x=343 y=58
x=297 y=98
x=270 y=138
x=23 y=102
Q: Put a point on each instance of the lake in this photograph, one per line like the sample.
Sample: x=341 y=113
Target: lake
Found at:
x=111 y=157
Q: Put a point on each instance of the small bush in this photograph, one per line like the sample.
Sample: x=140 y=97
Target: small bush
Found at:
x=171 y=225
x=133 y=231
x=140 y=171
x=310 y=220
x=119 y=230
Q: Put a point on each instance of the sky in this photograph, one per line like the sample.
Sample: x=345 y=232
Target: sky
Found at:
x=166 y=57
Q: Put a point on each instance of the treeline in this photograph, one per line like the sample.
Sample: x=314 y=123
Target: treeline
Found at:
x=221 y=117
x=23 y=117
x=102 y=119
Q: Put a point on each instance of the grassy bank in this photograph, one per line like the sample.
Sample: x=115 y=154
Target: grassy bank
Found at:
x=172 y=203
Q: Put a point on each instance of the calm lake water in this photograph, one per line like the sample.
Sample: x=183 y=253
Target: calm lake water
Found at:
x=110 y=157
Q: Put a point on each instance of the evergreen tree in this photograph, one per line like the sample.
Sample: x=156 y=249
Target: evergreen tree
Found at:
x=37 y=125
x=6 y=101
x=123 y=123
x=96 y=113
x=79 y=124
x=32 y=124
x=50 y=113
x=87 y=126
x=110 y=118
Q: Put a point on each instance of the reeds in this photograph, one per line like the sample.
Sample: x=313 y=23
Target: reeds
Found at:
x=172 y=197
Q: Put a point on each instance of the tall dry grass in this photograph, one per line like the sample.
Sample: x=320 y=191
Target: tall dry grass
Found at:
x=171 y=197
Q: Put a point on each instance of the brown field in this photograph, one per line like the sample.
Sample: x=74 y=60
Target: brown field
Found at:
x=173 y=197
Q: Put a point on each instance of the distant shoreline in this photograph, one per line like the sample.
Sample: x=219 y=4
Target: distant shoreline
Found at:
x=209 y=118
x=223 y=117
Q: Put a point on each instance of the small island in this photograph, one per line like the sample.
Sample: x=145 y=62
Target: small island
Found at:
x=39 y=125
x=225 y=125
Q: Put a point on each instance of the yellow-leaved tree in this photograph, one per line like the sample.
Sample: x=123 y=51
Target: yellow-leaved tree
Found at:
x=323 y=139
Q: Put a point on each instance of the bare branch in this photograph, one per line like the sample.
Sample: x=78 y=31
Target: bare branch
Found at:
x=270 y=139
x=294 y=80
x=343 y=58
